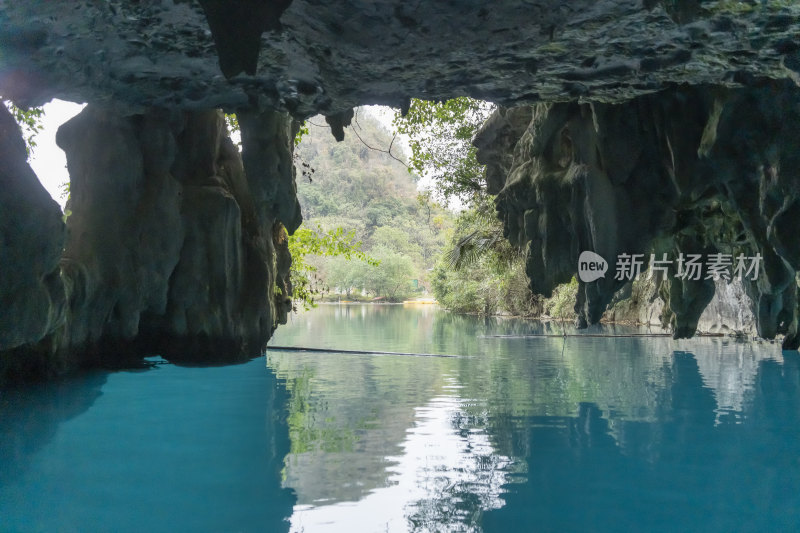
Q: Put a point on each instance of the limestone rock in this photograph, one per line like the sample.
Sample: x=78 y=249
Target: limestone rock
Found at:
x=32 y=302
x=730 y=311
x=687 y=171
x=170 y=249
x=631 y=127
x=311 y=56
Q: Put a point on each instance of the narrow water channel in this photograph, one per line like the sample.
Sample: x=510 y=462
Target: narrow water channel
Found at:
x=514 y=433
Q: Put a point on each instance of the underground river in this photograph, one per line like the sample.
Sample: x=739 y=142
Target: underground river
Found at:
x=512 y=432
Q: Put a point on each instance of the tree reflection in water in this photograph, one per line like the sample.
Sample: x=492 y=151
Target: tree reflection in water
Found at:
x=546 y=434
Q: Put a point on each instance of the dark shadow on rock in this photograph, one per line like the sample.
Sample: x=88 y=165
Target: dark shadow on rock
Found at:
x=237 y=27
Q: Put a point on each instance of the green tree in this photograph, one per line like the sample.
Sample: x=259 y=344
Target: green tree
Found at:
x=306 y=242
x=440 y=136
x=346 y=275
x=398 y=240
x=561 y=304
x=358 y=185
x=392 y=277
x=481 y=272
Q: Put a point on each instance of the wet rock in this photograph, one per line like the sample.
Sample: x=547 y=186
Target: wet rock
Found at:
x=32 y=302
x=170 y=248
x=691 y=170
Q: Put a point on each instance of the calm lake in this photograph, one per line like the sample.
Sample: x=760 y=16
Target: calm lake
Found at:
x=511 y=433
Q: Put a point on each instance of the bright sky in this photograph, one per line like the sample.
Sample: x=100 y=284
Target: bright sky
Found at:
x=48 y=160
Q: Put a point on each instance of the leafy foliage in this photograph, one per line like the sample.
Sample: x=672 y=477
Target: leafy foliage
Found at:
x=359 y=185
x=232 y=123
x=561 y=304
x=309 y=241
x=30 y=121
x=302 y=130
x=392 y=277
x=440 y=140
x=482 y=273
x=480 y=233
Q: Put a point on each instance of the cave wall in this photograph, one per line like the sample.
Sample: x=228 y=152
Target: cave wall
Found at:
x=32 y=299
x=631 y=126
x=698 y=170
x=730 y=311
x=172 y=244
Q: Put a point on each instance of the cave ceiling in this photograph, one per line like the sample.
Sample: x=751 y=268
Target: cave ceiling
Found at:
x=311 y=56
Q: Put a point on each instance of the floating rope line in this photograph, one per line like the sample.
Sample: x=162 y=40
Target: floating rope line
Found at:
x=355 y=352
x=600 y=335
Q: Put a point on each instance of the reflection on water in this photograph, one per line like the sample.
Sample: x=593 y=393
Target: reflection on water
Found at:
x=516 y=434
x=439 y=478
x=170 y=449
x=30 y=417
x=545 y=434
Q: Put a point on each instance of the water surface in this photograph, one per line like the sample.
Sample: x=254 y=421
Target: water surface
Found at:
x=513 y=433
x=535 y=434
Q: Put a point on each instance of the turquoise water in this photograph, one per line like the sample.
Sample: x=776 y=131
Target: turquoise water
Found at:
x=511 y=434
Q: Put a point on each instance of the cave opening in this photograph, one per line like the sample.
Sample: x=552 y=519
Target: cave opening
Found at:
x=639 y=163
x=641 y=150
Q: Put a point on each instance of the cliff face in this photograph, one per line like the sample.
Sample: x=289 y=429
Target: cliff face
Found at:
x=171 y=247
x=32 y=300
x=646 y=126
x=729 y=312
x=691 y=170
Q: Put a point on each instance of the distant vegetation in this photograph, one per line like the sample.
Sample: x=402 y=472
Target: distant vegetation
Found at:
x=359 y=186
x=366 y=185
x=480 y=272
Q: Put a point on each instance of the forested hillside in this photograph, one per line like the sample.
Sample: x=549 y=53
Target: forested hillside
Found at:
x=356 y=185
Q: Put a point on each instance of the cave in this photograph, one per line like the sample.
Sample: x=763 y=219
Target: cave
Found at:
x=624 y=127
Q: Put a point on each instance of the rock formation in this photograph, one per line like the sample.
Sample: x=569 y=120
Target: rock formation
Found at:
x=631 y=126
x=730 y=311
x=32 y=300
x=690 y=170
x=313 y=56
x=171 y=247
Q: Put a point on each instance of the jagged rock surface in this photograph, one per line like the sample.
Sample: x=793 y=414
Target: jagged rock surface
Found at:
x=32 y=301
x=171 y=248
x=690 y=170
x=173 y=243
x=729 y=312
x=313 y=56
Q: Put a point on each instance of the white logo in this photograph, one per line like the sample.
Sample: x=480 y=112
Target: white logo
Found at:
x=591 y=266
